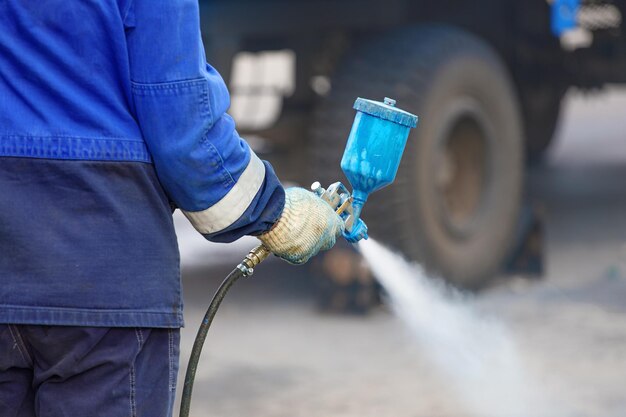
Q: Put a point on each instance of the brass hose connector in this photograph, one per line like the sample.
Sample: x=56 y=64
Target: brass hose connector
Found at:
x=252 y=259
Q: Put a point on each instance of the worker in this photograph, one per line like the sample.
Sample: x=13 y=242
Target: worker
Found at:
x=110 y=119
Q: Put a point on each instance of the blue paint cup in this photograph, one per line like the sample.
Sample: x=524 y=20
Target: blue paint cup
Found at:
x=375 y=146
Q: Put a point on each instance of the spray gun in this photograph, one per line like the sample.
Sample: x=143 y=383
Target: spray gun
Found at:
x=370 y=162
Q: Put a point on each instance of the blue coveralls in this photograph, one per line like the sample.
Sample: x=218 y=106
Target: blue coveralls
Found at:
x=109 y=118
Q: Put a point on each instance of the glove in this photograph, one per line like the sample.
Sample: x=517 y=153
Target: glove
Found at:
x=306 y=226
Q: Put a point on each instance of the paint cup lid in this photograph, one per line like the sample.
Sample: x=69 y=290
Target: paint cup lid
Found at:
x=386 y=110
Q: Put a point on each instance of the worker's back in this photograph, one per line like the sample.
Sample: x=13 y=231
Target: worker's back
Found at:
x=83 y=218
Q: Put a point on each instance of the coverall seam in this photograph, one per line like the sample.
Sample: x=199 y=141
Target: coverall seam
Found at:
x=66 y=147
x=139 y=335
x=23 y=315
x=206 y=103
x=21 y=346
x=178 y=86
x=170 y=336
x=84 y=310
x=133 y=400
x=133 y=375
x=26 y=136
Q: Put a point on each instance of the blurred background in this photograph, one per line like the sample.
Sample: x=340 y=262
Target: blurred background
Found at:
x=511 y=188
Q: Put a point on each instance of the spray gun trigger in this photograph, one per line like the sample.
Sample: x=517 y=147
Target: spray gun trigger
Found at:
x=335 y=194
x=344 y=206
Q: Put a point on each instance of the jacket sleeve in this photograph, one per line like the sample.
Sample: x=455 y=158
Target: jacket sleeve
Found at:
x=180 y=102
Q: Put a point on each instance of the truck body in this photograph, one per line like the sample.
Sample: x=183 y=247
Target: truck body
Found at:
x=286 y=60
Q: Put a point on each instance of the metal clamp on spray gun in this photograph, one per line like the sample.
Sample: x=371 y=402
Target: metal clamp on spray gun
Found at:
x=370 y=162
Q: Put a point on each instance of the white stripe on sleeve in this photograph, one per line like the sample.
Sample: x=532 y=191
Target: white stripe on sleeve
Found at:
x=232 y=206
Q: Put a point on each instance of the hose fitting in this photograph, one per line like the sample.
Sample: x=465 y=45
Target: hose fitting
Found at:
x=252 y=259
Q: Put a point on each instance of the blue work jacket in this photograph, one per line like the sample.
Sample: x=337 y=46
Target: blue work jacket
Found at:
x=110 y=118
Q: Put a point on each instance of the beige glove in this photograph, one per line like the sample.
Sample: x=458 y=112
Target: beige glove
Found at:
x=307 y=225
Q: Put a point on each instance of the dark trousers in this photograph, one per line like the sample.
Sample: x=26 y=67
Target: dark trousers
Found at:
x=55 y=371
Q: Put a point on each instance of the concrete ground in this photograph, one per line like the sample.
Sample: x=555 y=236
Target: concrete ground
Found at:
x=271 y=353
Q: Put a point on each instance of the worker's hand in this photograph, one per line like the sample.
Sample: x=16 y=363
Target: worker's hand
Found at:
x=307 y=225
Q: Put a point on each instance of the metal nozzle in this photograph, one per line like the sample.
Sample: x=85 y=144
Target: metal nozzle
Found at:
x=252 y=259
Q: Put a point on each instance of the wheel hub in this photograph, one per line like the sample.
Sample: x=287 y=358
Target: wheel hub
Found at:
x=461 y=173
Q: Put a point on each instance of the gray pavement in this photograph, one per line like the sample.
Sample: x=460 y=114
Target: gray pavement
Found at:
x=271 y=353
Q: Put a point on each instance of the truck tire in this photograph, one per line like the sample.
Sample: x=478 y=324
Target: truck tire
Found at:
x=455 y=201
